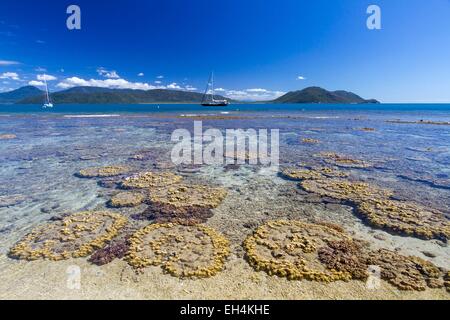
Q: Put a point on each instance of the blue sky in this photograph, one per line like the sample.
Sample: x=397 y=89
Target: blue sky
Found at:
x=257 y=49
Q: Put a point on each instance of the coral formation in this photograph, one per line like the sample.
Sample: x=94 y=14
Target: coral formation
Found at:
x=182 y=195
x=405 y=272
x=300 y=174
x=101 y=172
x=126 y=199
x=345 y=255
x=447 y=281
x=342 y=161
x=7 y=136
x=290 y=249
x=312 y=174
x=76 y=235
x=186 y=215
x=115 y=250
x=406 y=218
x=150 y=180
x=345 y=190
x=310 y=141
x=182 y=251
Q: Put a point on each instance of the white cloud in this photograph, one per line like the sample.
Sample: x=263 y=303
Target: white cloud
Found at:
x=36 y=83
x=220 y=90
x=118 y=84
x=47 y=77
x=141 y=74
x=108 y=74
x=174 y=86
x=40 y=41
x=9 y=75
x=190 y=88
x=8 y=63
x=253 y=94
x=301 y=78
x=108 y=83
x=257 y=90
x=40 y=69
x=160 y=77
x=158 y=82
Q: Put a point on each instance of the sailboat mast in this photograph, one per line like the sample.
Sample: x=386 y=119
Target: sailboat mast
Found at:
x=212 y=85
x=46 y=90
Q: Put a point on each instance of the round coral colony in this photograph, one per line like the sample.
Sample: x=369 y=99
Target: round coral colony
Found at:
x=182 y=251
x=290 y=249
x=77 y=235
x=405 y=218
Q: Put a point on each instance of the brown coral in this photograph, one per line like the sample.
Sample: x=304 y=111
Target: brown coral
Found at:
x=405 y=218
x=186 y=215
x=115 y=250
x=101 y=172
x=126 y=199
x=76 y=235
x=182 y=251
x=405 y=272
x=345 y=255
x=150 y=180
x=290 y=249
x=345 y=190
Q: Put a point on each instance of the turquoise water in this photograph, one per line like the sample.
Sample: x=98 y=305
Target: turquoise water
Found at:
x=38 y=166
x=412 y=109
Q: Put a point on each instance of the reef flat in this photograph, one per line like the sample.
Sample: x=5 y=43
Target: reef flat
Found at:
x=102 y=196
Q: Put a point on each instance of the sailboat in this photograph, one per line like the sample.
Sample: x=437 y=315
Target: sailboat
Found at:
x=208 y=97
x=47 y=103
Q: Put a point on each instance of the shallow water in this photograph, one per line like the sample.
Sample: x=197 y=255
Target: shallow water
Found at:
x=39 y=165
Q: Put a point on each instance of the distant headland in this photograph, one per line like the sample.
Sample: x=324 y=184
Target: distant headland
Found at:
x=96 y=95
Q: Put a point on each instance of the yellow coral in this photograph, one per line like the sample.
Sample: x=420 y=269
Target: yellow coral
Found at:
x=77 y=235
x=182 y=251
x=289 y=249
x=150 y=180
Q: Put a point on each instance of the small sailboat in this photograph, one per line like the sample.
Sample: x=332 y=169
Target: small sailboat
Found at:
x=47 y=103
x=208 y=97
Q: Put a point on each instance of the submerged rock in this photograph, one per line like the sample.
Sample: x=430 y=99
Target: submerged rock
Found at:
x=11 y=200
